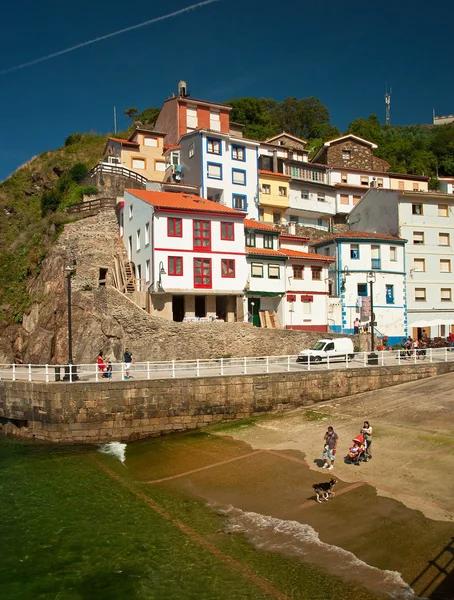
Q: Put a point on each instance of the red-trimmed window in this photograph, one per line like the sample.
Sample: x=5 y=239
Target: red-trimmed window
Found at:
x=227 y=231
x=291 y=298
x=202 y=273
x=227 y=267
x=175 y=265
x=202 y=235
x=174 y=227
x=316 y=273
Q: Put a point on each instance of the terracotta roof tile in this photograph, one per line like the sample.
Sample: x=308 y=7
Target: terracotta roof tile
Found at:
x=182 y=201
x=171 y=147
x=262 y=172
x=264 y=252
x=251 y=224
x=366 y=235
x=294 y=236
x=125 y=142
x=306 y=255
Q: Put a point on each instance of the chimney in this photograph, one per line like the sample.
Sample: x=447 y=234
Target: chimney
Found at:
x=275 y=161
x=182 y=89
x=292 y=228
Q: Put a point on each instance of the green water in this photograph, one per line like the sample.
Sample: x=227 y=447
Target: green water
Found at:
x=69 y=530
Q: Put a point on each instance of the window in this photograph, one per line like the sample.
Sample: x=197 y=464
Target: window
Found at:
x=138 y=240
x=307 y=307
x=214 y=171
x=256 y=270
x=416 y=209
x=389 y=294
x=276 y=218
x=419 y=264
x=202 y=273
x=268 y=241
x=344 y=199
x=147 y=234
x=250 y=239
x=214 y=146
x=344 y=178
x=215 y=120
x=138 y=163
x=445 y=294
x=191 y=118
x=356 y=199
x=149 y=141
x=174 y=227
x=293 y=218
x=321 y=197
x=202 y=234
x=147 y=270
x=274 y=272
x=379 y=181
x=445 y=265
x=316 y=273
x=362 y=289
x=416 y=187
x=282 y=190
x=266 y=188
x=159 y=165
x=393 y=253
x=239 y=202
x=298 y=272
x=238 y=177
x=364 y=180
x=305 y=194
x=354 y=251
x=401 y=185
x=130 y=211
x=227 y=231
x=227 y=268
x=418 y=237
x=139 y=273
x=443 y=210
x=238 y=153
x=346 y=154
x=175 y=266
x=443 y=239
x=191 y=150
x=420 y=294
x=375 y=257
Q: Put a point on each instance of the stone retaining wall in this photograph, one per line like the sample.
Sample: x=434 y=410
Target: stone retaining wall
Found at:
x=126 y=411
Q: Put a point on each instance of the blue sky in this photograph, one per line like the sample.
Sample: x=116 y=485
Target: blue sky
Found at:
x=341 y=52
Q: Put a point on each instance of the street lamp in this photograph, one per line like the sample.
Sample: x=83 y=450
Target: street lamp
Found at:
x=162 y=272
x=252 y=309
x=373 y=357
x=70 y=370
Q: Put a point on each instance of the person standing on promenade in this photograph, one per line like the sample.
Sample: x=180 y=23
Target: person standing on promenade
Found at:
x=128 y=361
x=329 y=451
x=367 y=433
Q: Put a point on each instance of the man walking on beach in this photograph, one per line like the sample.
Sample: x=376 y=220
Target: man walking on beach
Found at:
x=329 y=450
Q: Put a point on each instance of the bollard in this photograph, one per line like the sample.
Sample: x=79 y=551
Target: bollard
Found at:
x=47 y=373
x=222 y=366
x=148 y=369
x=245 y=365
x=267 y=364
x=173 y=368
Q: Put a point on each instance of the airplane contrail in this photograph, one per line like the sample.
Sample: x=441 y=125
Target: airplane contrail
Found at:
x=108 y=35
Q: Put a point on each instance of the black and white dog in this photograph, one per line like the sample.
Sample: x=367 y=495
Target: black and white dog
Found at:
x=324 y=490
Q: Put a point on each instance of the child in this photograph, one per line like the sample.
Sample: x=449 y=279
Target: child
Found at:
x=355 y=450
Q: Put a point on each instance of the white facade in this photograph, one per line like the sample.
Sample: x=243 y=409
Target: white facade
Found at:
x=446 y=185
x=182 y=246
x=426 y=220
x=356 y=257
x=225 y=168
x=311 y=204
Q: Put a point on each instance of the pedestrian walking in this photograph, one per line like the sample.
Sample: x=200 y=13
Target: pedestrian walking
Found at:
x=367 y=434
x=356 y=325
x=128 y=360
x=329 y=451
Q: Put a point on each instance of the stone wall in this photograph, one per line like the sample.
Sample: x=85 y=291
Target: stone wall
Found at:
x=126 y=411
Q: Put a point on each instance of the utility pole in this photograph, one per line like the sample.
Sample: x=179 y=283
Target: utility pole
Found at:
x=388 y=106
x=115 y=119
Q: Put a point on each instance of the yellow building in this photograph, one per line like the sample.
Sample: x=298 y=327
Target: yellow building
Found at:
x=274 y=196
x=141 y=153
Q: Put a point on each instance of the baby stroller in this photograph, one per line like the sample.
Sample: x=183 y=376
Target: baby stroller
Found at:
x=357 y=452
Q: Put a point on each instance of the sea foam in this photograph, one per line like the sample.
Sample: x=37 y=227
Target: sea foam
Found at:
x=117 y=449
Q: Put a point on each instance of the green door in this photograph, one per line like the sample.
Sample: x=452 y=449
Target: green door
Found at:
x=253 y=306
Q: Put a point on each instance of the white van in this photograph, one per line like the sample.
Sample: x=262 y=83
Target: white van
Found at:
x=335 y=349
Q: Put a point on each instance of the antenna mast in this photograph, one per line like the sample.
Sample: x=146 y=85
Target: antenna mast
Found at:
x=388 y=106
x=115 y=119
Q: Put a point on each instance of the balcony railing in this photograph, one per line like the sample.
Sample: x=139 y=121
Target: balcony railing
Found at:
x=376 y=263
x=305 y=174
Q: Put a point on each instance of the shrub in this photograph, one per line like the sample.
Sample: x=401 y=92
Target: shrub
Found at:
x=73 y=139
x=78 y=172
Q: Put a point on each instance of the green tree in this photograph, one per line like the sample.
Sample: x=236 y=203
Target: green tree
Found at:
x=254 y=114
x=148 y=116
x=131 y=113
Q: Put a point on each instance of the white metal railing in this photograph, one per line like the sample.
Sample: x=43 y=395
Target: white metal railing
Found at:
x=218 y=366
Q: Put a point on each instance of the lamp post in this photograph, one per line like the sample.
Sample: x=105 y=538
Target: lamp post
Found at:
x=71 y=369
x=252 y=309
x=162 y=271
x=373 y=357
x=344 y=274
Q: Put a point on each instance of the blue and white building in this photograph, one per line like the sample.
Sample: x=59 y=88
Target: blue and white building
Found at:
x=223 y=166
x=359 y=257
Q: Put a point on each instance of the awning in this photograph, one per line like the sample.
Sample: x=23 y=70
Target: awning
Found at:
x=305 y=298
x=272 y=294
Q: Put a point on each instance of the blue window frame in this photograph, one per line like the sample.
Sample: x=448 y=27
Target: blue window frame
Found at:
x=239 y=176
x=389 y=294
x=214 y=146
x=354 y=251
x=239 y=201
x=238 y=153
x=214 y=170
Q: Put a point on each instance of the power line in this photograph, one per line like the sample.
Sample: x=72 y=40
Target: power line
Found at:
x=108 y=35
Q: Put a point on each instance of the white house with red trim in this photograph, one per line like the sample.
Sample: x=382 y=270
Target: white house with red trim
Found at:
x=188 y=251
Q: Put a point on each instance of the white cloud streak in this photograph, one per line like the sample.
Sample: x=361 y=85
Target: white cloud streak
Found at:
x=107 y=36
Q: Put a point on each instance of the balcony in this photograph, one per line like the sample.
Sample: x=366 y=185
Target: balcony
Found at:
x=376 y=264
x=305 y=174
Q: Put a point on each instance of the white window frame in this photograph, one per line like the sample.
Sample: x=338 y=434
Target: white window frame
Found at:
x=147 y=234
x=442 y=235
x=138 y=240
x=150 y=141
x=147 y=270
